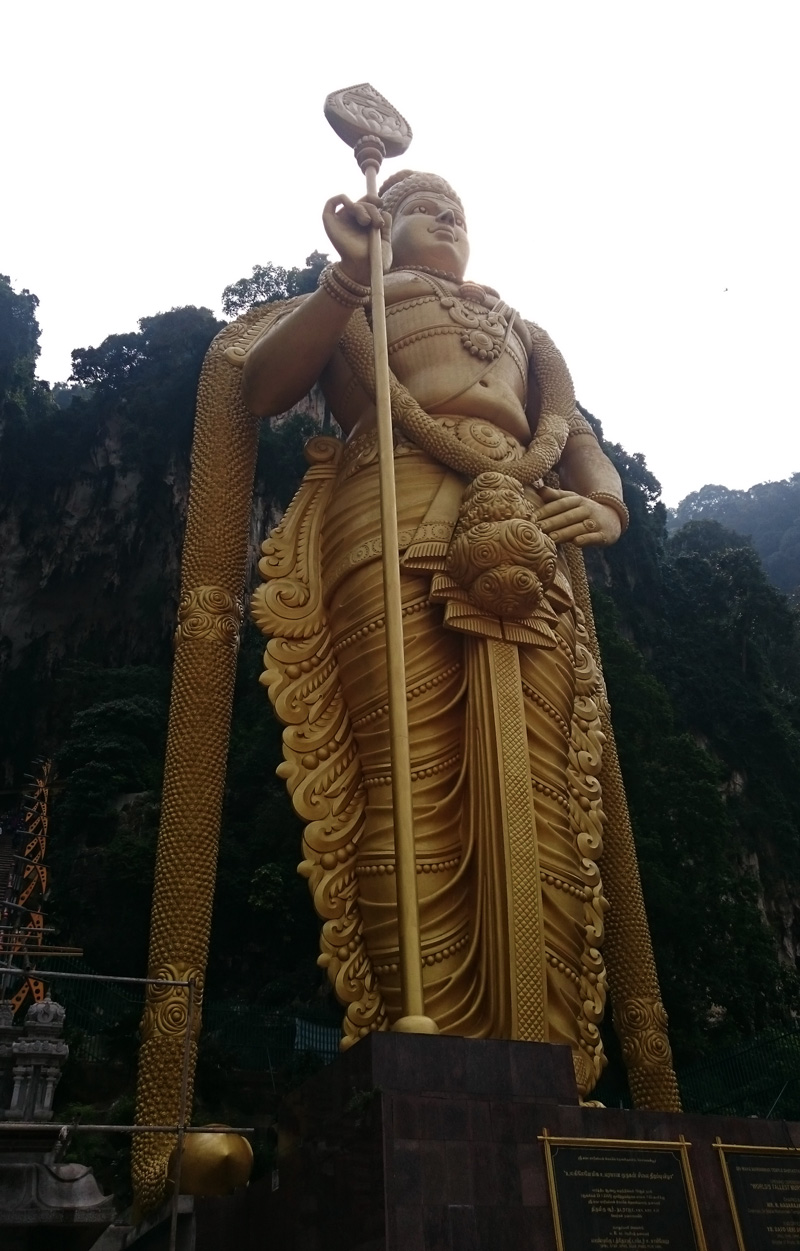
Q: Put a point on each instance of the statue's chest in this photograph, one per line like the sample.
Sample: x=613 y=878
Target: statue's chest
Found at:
x=443 y=325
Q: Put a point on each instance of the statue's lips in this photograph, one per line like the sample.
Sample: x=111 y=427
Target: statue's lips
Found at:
x=442 y=230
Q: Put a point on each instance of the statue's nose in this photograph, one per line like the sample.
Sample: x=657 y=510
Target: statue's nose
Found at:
x=447 y=216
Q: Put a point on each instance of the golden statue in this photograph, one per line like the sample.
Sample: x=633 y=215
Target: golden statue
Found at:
x=514 y=779
x=503 y=694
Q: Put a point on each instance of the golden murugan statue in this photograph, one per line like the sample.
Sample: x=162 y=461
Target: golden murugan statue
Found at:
x=503 y=694
x=515 y=782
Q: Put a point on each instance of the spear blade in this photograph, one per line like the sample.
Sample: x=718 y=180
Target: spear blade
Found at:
x=358 y=111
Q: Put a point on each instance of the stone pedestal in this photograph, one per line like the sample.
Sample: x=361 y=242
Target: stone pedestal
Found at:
x=43 y=1203
x=36 y=1054
x=412 y=1143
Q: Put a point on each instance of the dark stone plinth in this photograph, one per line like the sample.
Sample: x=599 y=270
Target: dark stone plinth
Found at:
x=410 y=1143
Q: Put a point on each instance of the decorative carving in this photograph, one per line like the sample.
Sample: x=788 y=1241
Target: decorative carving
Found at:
x=523 y=851
x=46 y=1018
x=361 y=111
x=642 y=1026
x=167 y=1009
x=629 y=952
x=343 y=289
x=498 y=554
x=214 y=556
x=209 y=614
x=321 y=766
x=483 y=333
x=613 y=501
x=36 y=1055
x=587 y=820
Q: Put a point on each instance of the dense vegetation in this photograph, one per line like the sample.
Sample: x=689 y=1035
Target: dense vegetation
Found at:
x=769 y=513
x=701 y=656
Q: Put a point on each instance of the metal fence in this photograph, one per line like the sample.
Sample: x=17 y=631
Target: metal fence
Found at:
x=103 y=1020
x=760 y=1078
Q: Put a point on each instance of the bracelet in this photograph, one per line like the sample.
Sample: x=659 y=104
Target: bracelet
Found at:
x=349 y=283
x=579 y=425
x=611 y=501
x=343 y=289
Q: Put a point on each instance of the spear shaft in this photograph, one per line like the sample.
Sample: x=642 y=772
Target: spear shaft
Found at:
x=370 y=149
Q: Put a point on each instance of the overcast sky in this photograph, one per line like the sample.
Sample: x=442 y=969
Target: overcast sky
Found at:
x=629 y=170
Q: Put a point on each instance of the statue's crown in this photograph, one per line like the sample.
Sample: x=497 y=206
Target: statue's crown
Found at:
x=412 y=182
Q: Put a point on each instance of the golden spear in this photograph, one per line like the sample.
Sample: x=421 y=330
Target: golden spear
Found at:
x=374 y=129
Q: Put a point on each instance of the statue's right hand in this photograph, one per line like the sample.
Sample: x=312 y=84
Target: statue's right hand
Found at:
x=348 y=224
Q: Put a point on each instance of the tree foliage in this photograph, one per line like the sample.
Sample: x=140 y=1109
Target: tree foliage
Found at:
x=24 y=401
x=268 y=283
x=768 y=514
x=19 y=338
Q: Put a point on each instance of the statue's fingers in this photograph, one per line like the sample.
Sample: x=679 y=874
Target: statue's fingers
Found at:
x=567 y=534
x=336 y=202
x=589 y=539
x=564 y=501
x=375 y=215
x=364 y=214
x=560 y=520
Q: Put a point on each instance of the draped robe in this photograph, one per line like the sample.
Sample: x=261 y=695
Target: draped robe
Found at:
x=505 y=754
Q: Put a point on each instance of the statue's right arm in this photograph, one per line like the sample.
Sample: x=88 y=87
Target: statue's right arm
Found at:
x=287 y=360
x=283 y=365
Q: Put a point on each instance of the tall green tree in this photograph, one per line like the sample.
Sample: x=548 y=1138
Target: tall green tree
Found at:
x=268 y=283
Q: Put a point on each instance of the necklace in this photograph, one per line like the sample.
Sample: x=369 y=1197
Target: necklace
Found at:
x=484 y=332
x=467 y=290
x=434 y=273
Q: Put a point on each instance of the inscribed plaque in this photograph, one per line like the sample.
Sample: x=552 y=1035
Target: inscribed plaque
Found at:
x=622 y=1196
x=764 y=1192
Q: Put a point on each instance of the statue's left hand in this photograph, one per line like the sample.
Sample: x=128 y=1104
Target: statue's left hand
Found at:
x=571 y=518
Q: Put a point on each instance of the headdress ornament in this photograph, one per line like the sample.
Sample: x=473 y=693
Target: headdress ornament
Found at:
x=411 y=182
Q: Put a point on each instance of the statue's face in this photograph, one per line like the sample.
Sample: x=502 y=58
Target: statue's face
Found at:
x=429 y=229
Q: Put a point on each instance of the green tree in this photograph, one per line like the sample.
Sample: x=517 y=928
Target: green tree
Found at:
x=19 y=338
x=269 y=282
x=768 y=514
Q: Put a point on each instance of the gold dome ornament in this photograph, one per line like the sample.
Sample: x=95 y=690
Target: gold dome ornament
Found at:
x=212 y=1164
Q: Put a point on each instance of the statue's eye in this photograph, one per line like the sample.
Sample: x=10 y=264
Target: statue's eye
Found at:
x=421 y=208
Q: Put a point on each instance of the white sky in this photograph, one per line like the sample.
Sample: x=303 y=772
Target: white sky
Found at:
x=630 y=173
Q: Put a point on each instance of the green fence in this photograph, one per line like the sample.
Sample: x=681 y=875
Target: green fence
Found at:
x=103 y=1018
x=760 y=1078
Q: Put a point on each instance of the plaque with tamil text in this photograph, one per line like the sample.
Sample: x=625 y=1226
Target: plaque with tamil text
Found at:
x=622 y=1195
x=763 y=1185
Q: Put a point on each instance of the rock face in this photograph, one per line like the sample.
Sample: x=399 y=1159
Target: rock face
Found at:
x=90 y=547
x=92 y=560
